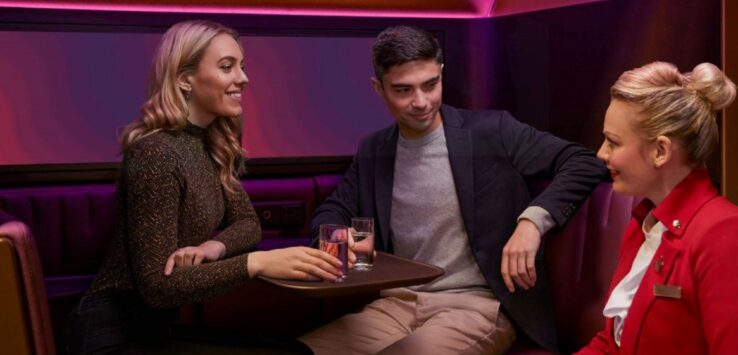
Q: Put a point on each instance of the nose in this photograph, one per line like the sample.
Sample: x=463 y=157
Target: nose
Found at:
x=601 y=153
x=419 y=100
x=241 y=79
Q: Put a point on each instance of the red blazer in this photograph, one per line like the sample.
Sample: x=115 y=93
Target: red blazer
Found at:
x=687 y=302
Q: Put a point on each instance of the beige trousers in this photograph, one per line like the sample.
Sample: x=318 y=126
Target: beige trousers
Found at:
x=408 y=322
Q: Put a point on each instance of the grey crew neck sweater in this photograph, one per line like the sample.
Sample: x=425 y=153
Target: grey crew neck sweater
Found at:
x=426 y=222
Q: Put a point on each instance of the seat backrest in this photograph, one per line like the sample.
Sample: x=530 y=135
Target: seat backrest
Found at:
x=25 y=327
x=73 y=226
x=581 y=259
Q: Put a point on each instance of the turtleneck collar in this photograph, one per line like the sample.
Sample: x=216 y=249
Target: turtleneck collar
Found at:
x=194 y=130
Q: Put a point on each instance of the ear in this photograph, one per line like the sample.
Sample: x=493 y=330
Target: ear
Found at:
x=662 y=151
x=184 y=82
x=377 y=85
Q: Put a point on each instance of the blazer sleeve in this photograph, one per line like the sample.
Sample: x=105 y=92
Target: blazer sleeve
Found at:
x=714 y=268
x=602 y=343
x=341 y=205
x=574 y=171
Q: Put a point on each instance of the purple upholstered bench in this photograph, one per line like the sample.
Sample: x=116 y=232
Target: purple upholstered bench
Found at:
x=73 y=225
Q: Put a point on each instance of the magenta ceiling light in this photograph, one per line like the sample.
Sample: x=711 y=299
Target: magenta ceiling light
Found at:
x=470 y=8
x=357 y=8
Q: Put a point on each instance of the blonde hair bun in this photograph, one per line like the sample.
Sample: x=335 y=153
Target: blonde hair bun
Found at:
x=682 y=106
x=708 y=81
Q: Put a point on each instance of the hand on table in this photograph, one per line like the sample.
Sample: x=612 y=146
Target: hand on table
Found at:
x=332 y=249
x=519 y=256
x=209 y=251
x=295 y=263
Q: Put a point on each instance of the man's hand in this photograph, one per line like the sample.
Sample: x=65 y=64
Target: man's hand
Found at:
x=519 y=256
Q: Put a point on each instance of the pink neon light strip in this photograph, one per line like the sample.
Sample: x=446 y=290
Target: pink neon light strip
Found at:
x=481 y=9
x=513 y=7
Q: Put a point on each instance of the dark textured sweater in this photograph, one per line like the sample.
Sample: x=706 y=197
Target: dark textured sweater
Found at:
x=169 y=196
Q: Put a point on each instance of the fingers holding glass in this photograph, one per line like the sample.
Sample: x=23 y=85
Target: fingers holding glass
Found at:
x=334 y=241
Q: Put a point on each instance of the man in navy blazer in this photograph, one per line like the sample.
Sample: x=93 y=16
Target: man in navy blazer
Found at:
x=450 y=187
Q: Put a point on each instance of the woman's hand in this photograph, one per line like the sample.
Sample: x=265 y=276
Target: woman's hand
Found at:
x=332 y=249
x=296 y=263
x=209 y=251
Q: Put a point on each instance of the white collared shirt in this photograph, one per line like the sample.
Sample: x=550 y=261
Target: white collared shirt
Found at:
x=622 y=296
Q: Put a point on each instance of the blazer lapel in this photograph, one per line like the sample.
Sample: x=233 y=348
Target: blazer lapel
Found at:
x=633 y=238
x=460 y=154
x=384 y=168
x=632 y=242
x=658 y=273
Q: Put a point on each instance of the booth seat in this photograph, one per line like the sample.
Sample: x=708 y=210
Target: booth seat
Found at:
x=24 y=325
x=581 y=259
x=73 y=224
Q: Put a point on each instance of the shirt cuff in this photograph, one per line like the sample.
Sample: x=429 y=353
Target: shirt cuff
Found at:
x=540 y=217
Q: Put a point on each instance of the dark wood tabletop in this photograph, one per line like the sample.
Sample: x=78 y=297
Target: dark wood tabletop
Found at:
x=389 y=271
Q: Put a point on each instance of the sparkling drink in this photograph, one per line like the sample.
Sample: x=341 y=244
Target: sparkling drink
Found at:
x=364 y=250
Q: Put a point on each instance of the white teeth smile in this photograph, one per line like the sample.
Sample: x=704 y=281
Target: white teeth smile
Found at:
x=235 y=95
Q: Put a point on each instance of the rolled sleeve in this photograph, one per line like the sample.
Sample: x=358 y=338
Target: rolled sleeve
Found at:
x=540 y=217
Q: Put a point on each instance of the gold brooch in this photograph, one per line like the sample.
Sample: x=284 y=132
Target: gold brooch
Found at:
x=659 y=264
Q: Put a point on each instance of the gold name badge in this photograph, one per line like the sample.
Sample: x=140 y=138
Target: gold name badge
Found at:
x=668 y=291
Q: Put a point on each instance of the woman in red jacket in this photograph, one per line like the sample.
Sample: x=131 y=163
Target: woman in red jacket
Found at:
x=675 y=288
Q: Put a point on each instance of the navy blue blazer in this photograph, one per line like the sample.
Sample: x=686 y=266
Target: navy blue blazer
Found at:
x=493 y=158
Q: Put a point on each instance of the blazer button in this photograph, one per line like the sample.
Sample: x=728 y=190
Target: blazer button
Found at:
x=676 y=224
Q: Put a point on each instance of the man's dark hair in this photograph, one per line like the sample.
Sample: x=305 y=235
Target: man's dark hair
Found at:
x=401 y=44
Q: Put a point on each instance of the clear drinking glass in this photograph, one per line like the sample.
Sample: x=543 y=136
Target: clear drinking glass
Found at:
x=334 y=241
x=363 y=234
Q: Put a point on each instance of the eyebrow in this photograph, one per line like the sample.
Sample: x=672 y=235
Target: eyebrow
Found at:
x=229 y=57
x=609 y=135
x=429 y=81
x=433 y=80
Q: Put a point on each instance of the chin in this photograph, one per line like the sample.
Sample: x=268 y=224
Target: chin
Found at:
x=420 y=126
x=232 y=113
x=623 y=189
x=617 y=186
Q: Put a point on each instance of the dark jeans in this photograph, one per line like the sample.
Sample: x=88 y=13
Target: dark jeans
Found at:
x=113 y=323
x=120 y=323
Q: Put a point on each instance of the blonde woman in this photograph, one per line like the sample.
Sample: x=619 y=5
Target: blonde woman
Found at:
x=178 y=184
x=674 y=289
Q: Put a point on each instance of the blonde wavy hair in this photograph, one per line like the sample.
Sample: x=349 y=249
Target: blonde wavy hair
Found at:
x=683 y=106
x=180 y=51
